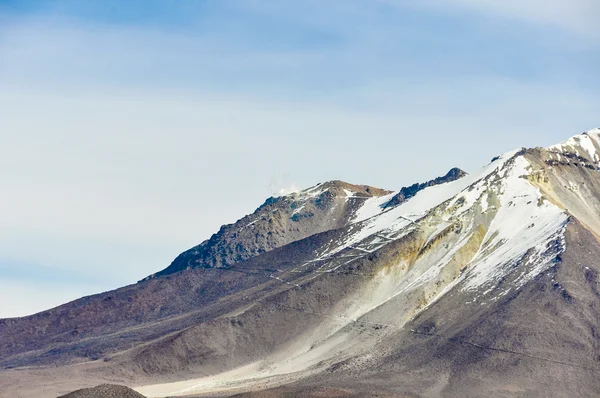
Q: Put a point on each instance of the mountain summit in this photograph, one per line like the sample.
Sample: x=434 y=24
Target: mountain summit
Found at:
x=279 y=221
x=481 y=284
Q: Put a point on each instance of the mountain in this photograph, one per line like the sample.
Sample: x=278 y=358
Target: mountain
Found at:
x=469 y=285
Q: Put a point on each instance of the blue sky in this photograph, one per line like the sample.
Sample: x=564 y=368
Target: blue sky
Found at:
x=132 y=130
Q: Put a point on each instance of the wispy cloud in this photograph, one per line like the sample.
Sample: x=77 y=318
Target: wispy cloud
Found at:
x=575 y=16
x=297 y=49
x=282 y=185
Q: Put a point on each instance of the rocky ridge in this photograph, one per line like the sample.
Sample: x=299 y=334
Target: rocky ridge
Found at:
x=406 y=193
x=277 y=222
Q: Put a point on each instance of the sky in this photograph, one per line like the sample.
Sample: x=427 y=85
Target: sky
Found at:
x=131 y=130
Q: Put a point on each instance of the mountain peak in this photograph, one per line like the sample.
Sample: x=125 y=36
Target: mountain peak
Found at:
x=585 y=145
x=339 y=187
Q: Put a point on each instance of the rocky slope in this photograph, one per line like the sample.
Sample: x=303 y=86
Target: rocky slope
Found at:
x=481 y=285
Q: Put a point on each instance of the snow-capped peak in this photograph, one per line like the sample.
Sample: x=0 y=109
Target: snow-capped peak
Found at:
x=586 y=145
x=498 y=217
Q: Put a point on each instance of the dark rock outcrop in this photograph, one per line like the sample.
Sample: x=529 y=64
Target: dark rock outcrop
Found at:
x=408 y=192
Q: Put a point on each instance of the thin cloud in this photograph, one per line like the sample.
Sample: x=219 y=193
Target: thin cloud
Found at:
x=575 y=16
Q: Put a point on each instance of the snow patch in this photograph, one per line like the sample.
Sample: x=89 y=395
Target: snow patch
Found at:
x=519 y=225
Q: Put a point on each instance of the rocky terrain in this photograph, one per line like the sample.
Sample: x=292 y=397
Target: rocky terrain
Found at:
x=104 y=391
x=469 y=285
